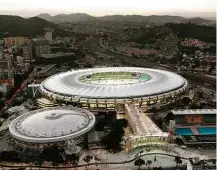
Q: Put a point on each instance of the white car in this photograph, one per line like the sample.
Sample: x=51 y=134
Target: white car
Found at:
x=184 y=147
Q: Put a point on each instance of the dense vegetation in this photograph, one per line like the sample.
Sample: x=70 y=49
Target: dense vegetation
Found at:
x=112 y=140
x=185 y=30
x=113 y=128
x=188 y=30
x=17 y=26
x=52 y=154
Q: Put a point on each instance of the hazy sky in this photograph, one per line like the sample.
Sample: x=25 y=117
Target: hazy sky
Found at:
x=106 y=7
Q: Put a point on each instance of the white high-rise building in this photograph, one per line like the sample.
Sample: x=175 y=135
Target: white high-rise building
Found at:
x=49 y=36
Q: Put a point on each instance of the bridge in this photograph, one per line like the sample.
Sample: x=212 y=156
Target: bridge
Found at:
x=145 y=131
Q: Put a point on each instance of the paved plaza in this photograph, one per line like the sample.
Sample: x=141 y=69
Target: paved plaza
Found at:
x=157 y=159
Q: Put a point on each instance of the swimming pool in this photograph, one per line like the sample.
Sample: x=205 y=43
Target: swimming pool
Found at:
x=183 y=131
x=207 y=130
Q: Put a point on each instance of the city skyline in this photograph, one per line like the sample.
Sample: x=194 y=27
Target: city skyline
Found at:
x=98 y=8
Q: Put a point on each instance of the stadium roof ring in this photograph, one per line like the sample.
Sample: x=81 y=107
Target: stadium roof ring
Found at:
x=50 y=125
x=113 y=83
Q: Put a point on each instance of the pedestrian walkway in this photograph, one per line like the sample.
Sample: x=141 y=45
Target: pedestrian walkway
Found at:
x=142 y=124
x=194 y=130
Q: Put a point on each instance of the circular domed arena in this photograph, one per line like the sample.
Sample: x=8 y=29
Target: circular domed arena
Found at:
x=112 y=87
x=51 y=126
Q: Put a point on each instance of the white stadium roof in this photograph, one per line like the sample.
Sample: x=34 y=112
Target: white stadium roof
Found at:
x=52 y=124
x=194 y=111
x=68 y=84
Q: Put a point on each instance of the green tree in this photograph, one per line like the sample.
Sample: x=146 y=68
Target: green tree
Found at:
x=88 y=158
x=55 y=163
x=74 y=158
x=186 y=101
x=139 y=162
x=113 y=139
x=38 y=162
x=169 y=116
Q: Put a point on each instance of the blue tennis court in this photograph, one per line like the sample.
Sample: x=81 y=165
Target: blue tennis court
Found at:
x=183 y=131
x=207 y=130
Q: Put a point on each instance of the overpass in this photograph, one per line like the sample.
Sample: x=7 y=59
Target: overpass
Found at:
x=145 y=131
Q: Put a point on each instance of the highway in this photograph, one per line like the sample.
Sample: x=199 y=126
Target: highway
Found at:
x=199 y=78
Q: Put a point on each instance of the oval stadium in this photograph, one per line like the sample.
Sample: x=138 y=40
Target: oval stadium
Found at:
x=48 y=126
x=111 y=87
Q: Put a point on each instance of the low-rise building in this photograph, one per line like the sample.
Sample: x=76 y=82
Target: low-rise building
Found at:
x=4 y=89
x=15 y=41
x=6 y=62
x=6 y=72
x=193 y=43
x=197 y=164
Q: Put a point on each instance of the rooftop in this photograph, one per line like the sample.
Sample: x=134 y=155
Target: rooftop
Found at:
x=199 y=139
x=195 y=111
x=52 y=124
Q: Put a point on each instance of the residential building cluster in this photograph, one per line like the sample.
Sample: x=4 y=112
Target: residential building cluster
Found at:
x=188 y=42
x=9 y=41
x=16 y=55
x=132 y=51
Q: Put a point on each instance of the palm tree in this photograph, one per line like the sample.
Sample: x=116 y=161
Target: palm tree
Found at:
x=155 y=158
x=148 y=162
x=139 y=162
x=178 y=161
x=96 y=159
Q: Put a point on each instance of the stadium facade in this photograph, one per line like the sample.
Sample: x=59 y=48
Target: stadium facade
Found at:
x=112 y=87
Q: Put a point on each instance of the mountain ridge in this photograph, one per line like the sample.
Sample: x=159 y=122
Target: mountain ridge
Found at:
x=18 y=26
x=155 y=19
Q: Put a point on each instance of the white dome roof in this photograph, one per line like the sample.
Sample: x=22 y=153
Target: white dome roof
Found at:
x=69 y=84
x=52 y=124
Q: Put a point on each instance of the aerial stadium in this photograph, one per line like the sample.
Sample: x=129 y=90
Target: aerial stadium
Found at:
x=111 y=88
x=45 y=127
x=127 y=90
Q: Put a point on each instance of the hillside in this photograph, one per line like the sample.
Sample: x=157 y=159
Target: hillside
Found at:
x=18 y=26
x=188 y=30
x=152 y=19
x=157 y=35
x=157 y=19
